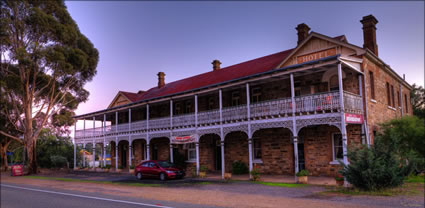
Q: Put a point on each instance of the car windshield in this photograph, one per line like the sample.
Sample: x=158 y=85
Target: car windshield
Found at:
x=165 y=164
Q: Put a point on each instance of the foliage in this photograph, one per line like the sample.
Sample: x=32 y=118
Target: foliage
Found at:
x=132 y=166
x=255 y=173
x=377 y=167
x=58 y=161
x=51 y=149
x=302 y=173
x=339 y=177
x=417 y=96
x=238 y=167
x=406 y=135
x=108 y=166
x=45 y=63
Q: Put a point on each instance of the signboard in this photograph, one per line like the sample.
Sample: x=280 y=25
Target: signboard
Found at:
x=316 y=55
x=17 y=170
x=353 y=118
x=183 y=139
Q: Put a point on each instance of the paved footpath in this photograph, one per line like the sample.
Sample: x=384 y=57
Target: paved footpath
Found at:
x=189 y=194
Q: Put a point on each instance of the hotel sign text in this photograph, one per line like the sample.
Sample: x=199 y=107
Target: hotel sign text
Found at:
x=316 y=55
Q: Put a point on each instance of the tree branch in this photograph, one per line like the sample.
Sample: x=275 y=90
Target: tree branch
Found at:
x=12 y=137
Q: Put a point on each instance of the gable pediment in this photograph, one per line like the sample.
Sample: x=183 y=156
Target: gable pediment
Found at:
x=119 y=99
x=318 y=46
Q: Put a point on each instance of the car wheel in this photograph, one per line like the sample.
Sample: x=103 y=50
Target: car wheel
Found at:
x=162 y=177
x=139 y=175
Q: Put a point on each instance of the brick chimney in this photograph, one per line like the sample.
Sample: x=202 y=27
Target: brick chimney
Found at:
x=161 y=79
x=369 y=33
x=216 y=65
x=303 y=30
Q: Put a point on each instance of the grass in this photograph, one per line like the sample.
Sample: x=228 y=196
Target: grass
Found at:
x=414 y=185
x=91 y=181
x=287 y=185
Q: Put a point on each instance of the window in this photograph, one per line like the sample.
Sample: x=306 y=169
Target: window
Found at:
x=388 y=94
x=210 y=103
x=255 y=94
x=188 y=107
x=392 y=96
x=333 y=83
x=398 y=99
x=235 y=98
x=257 y=149
x=405 y=103
x=337 y=146
x=178 y=109
x=191 y=151
x=372 y=85
x=297 y=91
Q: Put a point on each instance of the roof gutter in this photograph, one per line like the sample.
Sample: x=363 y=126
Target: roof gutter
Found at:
x=335 y=57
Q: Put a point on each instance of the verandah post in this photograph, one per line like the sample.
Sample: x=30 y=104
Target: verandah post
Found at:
x=294 y=127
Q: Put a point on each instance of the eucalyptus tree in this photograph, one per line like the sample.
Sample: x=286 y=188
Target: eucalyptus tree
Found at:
x=46 y=61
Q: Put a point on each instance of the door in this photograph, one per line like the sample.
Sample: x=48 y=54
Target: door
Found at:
x=218 y=156
x=124 y=157
x=301 y=158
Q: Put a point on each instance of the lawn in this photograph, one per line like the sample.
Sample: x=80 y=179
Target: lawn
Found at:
x=287 y=185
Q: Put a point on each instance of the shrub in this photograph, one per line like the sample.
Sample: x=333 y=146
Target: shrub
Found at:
x=375 y=168
x=203 y=168
x=238 y=167
x=339 y=177
x=107 y=166
x=58 y=161
x=255 y=173
x=302 y=173
x=131 y=166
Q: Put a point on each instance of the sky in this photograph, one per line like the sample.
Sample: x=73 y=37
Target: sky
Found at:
x=138 y=39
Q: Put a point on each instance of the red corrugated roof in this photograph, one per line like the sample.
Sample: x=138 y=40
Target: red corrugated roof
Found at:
x=241 y=70
x=133 y=97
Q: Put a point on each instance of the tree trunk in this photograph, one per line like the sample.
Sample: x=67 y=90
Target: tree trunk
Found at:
x=3 y=149
x=31 y=153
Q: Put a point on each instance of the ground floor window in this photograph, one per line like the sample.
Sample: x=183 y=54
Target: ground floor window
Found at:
x=191 y=151
x=337 y=146
x=257 y=149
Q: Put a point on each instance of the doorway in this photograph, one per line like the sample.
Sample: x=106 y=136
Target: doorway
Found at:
x=217 y=155
x=301 y=157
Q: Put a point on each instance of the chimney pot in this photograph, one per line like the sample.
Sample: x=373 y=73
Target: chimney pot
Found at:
x=216 y=65
x=303 y=31
x=369 y=33
x=161 y=79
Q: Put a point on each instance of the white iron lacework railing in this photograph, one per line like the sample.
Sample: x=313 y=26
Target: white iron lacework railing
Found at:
x=138 y=125
x=159 y=123
x=96 y=132
x=271 y=108
x=234 y=113
x=317 y=102
x=352 y=103
x=184 y=120
x=120 y=128
x=208 y=117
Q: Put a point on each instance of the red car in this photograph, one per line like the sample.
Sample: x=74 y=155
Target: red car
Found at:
x=158 y=169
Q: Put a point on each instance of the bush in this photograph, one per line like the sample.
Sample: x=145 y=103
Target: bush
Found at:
x=132 y=166
x=339 y=177
x=107 y=166
x=238 y=167
x=302 y=173
x=375 y=168
x=203 y=168
x=58 y=161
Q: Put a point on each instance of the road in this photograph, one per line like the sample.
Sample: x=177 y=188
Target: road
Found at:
x=19 y=196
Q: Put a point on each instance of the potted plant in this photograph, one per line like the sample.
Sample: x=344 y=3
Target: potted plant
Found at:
x=203 y=171
x=339 y=180
x=227 y=176
x=255 y=174
x=303 y=176
x=131 y=169
x=119 y=170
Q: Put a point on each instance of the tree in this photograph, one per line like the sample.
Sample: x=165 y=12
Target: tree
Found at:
x=417 y=96
x=46 y=61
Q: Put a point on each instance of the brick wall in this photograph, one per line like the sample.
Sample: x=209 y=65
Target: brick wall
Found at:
x=235 y=148
x=138 y=151
x=162 y=146
x=208 y=151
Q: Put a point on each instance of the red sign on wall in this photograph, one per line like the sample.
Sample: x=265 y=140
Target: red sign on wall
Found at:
x=353 y=118
x=182 y=139
x=17 y=170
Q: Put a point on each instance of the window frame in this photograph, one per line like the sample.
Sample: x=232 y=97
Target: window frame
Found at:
x=333 y=147
x=388 y=94
x=191 y=147
x=372 y=84
x=405 y=103
x=236 y=98
x=187 y=106
x=257 y=145
x=211 y=103
x=255 y=96
x=392 y=96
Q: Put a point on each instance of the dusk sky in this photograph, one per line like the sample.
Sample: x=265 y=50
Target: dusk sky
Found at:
x=136 y=39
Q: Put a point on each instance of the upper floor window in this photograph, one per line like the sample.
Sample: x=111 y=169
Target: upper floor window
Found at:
x=333 y=83
x=188 y=107
x=372 y=85
x=405 y=103
x=210 y=103
x=337 y=146
x=178 y=109
x=255 y=94
x=236 y=98
x=388 y=94
x=398 y=99
x=392 y=96
x=257 y=149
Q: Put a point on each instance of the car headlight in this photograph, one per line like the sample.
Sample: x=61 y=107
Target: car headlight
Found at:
x=169 y=171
